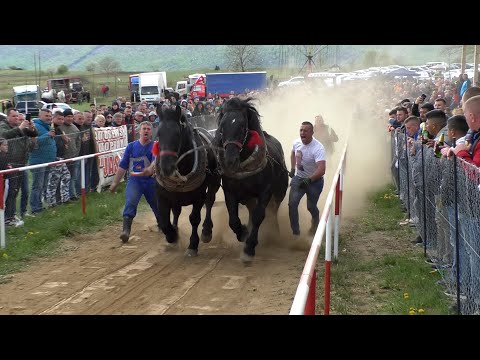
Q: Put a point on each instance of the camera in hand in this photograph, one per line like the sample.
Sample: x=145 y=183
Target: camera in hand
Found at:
x=28 y=116
x=423 y=96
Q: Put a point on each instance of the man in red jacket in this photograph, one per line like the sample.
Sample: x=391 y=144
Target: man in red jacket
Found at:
x=471 y=152
x=469 y=215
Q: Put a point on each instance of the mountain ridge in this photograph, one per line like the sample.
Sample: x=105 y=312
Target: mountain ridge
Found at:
x=185 y=57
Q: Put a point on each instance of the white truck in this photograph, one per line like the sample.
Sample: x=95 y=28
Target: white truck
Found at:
x=152 y=86
x=184 y=86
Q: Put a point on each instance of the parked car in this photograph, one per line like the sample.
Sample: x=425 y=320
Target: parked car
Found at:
x=32 y=107
x=62 y=106
x=297 y=80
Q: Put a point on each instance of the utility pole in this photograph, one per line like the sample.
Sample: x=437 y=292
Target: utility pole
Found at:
x=35 y=67
x=475 y=66
x=464 y=58
x=39 y=73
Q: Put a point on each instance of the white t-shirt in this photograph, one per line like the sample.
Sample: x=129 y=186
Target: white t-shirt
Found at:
x=307 y=156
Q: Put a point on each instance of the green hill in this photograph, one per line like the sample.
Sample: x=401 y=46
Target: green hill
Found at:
x=137 y=58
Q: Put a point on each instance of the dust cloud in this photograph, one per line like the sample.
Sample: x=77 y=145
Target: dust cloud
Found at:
x=349 y=111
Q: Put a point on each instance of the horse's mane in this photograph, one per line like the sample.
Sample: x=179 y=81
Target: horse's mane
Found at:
x=237 y=104
x=171 y=115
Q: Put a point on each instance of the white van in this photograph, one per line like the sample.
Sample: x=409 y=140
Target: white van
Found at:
x=152 y=86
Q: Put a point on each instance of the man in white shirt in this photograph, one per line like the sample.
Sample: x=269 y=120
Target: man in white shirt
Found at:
x=308 y=161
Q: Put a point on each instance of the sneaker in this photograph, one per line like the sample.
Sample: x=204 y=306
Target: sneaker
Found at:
x=15 y=221
x=445 y=266
x=432 y=261
x=453 y=294
x=295 y=237
x=417 y=240
x=441 y=282
x=27 y=214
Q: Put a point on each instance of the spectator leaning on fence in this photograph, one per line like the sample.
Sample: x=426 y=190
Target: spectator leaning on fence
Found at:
x=470 y=152
x=25 y=186
x=17 y=133
x=44 y=152
x=72 y=149
x=457 y=128
x=59 y=174
x=4 y=164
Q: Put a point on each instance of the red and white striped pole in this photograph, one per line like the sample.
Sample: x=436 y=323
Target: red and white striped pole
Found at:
x=310 y=304
x=328 y=261
x=82 y=176
x=338 y=209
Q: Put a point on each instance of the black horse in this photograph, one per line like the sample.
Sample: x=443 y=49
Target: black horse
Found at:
x=253 y=169
x=186 y=173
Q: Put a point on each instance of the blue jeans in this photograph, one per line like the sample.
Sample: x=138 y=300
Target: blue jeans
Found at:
x=88 y=173
x=471 y=229
x=463 y=253
x=24 y=196
x=134 y=191
x=74 y=169
x=39 y=182
x=313 y=192
x=94 y=178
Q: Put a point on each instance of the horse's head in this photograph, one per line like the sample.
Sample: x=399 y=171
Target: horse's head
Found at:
x=237 y=118
x=172 y=131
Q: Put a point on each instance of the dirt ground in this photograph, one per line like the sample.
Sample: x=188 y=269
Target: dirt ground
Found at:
x=97 y=274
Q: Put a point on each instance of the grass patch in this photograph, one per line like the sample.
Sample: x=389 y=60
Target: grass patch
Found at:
x=383 y=213
x=413 y=286
x=40 y=236
x=398 y=282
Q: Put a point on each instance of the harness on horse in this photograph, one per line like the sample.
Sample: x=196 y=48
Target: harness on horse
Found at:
x=254 y=164
x=185 y=183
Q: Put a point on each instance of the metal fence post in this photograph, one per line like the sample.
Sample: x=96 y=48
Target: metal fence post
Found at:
x=424 y=206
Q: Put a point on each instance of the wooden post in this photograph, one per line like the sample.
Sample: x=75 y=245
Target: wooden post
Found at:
x=464 y=58
x=475 y=67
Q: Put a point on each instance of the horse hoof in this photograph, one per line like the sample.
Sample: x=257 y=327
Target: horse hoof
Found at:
x=171 y=246
x=246 y=259
x=191 y=253
x=172 y=238
x=206 y=238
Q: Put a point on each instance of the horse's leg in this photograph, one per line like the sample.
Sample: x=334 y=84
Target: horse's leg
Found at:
x=257 y=218
x=251 y=203
x=233 y=220
x=271 y=212
x=208 y=223
x=171 y=233
x=207 y=227
x=195 y=218
x=177 y=210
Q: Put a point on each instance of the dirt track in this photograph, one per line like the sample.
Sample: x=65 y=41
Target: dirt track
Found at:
x=96 y=274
